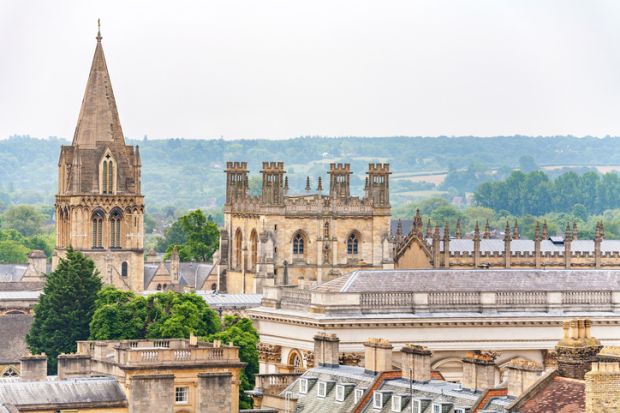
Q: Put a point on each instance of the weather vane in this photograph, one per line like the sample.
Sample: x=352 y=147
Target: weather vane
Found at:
x=99 y=30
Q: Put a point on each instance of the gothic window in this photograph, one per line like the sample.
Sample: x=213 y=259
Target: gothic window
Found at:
x=254 y=246
x=352 y=244
x=110 y=176
x=10 y=372
x=107 y=175
x=238 y=247
x=124 y=269
x=115 y=228
x=97 y=222
x=298 y=245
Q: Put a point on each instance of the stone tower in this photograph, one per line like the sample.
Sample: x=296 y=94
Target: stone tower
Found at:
x=236 y=182
x=379 y=184
x=99 y=205
x=273 y=183
x=339 y=177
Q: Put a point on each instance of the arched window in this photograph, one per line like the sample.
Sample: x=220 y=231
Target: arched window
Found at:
x=124 y=269
x=298 y=245
x=294 y=360
x=254 y=246
x=352 y=244
x=238 y=247
x=105 y=177
x=98 y=229
x=110 y=176
x=115 y=228
x=158 y=287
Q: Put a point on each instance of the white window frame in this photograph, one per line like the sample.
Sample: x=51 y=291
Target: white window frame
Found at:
x=377 y=400
x=303 y=386
x=418 y=406
x=357 y=395
x=321 y=389
x=436 y=408
x=397 y=403
x=182 y=391
x=459 y=410
x=339 y=393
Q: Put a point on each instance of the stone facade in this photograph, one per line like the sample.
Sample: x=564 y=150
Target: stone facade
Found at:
x=276 y=238
x=99 y=204
x=603 y=387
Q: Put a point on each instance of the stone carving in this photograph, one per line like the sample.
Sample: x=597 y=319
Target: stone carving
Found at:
x=309 y=358
x=269 y=353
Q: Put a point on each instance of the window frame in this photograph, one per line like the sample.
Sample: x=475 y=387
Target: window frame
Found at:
x=299 y=245
x=181 y=391
x=395 y=407
x=353 y=244
x=357 y=395
x=303 y=386
x=340 y=393
x=436 y=408
x=377 y=400
x=321 y=385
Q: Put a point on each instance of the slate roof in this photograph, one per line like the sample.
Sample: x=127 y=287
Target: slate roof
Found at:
x=64 y=393
x=12 y=272
x=527 y=245
x=22 y=286
x=231 y=300
x=473 y=280
x=13 y=330
x=149 y=273
x=191 y=272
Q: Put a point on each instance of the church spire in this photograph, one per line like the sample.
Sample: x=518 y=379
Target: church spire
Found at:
x=98 y=120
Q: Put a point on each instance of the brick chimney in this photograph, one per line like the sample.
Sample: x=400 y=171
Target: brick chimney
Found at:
x=326 y=350
x=416 y=363
x=603 y=382
x=377 y=355
x=479 y=371
x=33 y=367
x=577 y=349
x=521 y=375
x=73 y=365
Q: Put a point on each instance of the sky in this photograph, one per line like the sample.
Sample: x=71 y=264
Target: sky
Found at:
x=283 y=68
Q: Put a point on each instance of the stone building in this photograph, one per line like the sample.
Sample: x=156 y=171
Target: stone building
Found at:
x=141 y=376
x=515 y=313
x=434 y=247
x=281 y=238
x=99 y=204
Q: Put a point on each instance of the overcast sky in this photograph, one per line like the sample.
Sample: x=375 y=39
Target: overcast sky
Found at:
x=279 y=69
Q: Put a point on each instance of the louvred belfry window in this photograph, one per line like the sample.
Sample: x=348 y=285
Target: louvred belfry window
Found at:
x=115 y=229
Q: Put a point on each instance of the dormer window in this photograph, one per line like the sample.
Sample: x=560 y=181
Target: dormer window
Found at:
x=321 y=390
x=357 y=395
x=303 y=386
x=436 y=408
x=339 y=393
x=397 y=403
x=377 y=400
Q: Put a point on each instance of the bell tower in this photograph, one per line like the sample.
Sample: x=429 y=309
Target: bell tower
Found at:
x=99 y=204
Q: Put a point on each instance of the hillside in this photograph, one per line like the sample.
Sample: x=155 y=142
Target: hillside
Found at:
x=189 y=173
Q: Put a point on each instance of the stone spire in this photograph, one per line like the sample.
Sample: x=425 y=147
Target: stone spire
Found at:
x=429 y=229
x=568 y=234
x=458 y=234
x=568 y=238
x=545 y=232
x=537 y=251
x=446 y=246
x=436 y=248
x=507 y=236
x=307 y=184
x=476 y=232
x=487 y=231
x=515 y=231
x=598 y=238
x=575 y=232
x=476 y=245
x=285 y=184
x=507 y=249
x=418 y=225
x=98 y=120
x=537 y=232
x=319 y=187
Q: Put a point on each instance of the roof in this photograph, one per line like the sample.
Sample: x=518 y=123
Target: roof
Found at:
x=98 y=120
x=149 y=273
x=231 y=300
x=527 y=245
x=473 y=280
x=22 y=286
x=12 y=272
x=560 y=394
x=194 y=274
x=13 y=330
x=62 y=392
x=20 y=295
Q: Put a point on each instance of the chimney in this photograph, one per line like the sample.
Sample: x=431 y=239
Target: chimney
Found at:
x=175 y=264
x=38 y=260
x=603 y=382
x=577 y=350
x=521 y=375
x=377 y=355
x=326 y=350
x=33 y=367
x=416 y=363
x=73 y=365
x=479 y=371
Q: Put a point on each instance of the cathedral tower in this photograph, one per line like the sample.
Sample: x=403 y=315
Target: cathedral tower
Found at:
x=99 y=205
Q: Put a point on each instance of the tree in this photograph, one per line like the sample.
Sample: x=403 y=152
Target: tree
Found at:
x=13 y=252
x=241 y=332
x=125 y=315
x=527 y=164
x=65 y=308
x=25 y=219
x=195 y=237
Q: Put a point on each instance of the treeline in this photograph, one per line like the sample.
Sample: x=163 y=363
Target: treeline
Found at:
x=536 y=194
x=25 y=228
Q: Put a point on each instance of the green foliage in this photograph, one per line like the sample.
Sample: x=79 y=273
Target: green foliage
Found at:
x=14 y=247
x=65 y=308
x=195 y=236
x=125 y=315
x=13 y=252
x=241 y=333
x=25 y=219
x=536 y=194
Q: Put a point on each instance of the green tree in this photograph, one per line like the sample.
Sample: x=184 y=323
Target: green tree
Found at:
x=13 y=252
x=65 y=308
x=119 y=315
x=241 y=332
x=200 y=237
x=25 y=219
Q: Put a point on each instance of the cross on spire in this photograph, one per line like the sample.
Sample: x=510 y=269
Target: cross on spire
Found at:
x=99 y=30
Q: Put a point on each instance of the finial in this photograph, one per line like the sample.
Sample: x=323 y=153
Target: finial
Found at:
x=307 y=184
x=320 y=185
x=487 y=231
x=286 y=183
x=99 y=30
x=429 y=229
x=537 y=232
x=476 y=232
x=459 y=234
x=515 y=231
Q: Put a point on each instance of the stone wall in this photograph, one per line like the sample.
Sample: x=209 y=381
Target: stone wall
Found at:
x=603 y=388
x=152 y=393
x=214 y=392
